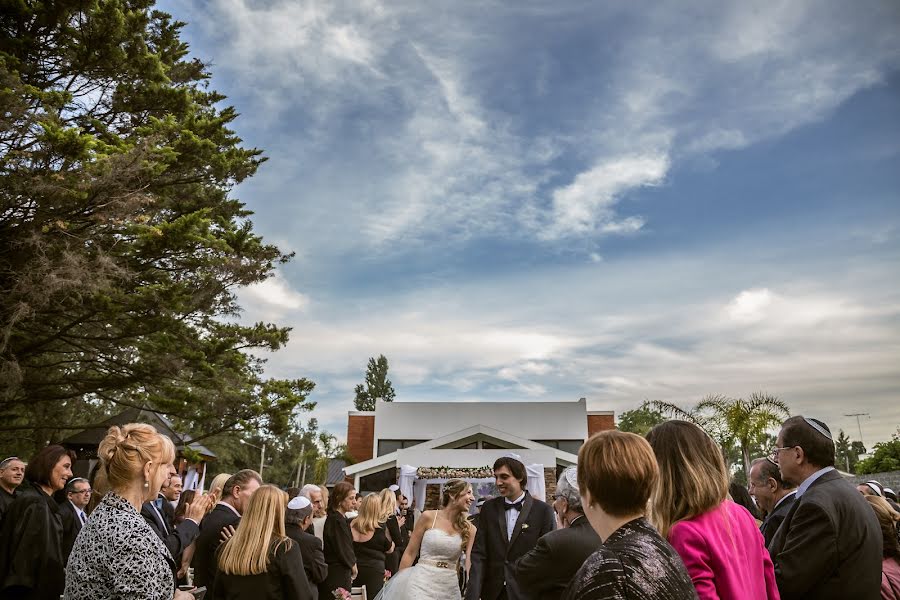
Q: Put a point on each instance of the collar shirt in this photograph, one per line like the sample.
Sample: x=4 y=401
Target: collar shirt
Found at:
x=233 y=509
x=512 y=515
x=783 y=498
x=811 y=479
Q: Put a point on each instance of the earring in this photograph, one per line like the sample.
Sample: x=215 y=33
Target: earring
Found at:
x=146 y=484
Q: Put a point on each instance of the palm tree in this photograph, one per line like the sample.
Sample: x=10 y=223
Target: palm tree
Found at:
x=733 y=421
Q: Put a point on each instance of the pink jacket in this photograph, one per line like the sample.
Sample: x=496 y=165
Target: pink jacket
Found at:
x=725 y=554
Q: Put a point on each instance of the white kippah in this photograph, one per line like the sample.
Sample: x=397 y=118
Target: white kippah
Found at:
x=571 y=475
x=394 y=487
x=299 y=502
x=513 y=456
x=875 y=487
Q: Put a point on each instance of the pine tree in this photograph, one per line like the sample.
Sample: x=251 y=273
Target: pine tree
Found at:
x=377 y=386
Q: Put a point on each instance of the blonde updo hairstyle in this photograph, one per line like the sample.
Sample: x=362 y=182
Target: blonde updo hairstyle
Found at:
x=453 y=489
x=125 y=450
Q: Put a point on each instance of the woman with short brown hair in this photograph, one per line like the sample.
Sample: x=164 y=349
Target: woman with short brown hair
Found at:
x=616 y=474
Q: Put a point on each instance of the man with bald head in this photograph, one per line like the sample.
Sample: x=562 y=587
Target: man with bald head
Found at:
x=771 y=493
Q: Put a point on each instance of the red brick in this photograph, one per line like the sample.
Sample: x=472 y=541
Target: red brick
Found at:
x=360 y=436
x=598 y=423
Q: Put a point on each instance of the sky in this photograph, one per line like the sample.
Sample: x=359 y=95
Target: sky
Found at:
x=536 y=201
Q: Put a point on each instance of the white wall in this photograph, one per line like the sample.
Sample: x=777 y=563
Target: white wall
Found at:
x=471 y=458
x=430 y=420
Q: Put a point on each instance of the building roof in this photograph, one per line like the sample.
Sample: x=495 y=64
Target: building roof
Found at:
x=94 y=435
x=335 y=474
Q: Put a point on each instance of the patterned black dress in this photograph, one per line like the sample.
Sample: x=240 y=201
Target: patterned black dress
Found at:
x=635 y=563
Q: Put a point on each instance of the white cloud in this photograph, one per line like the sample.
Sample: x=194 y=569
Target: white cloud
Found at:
x=274 y=293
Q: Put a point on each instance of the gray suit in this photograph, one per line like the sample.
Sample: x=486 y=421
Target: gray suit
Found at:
x=829 y=545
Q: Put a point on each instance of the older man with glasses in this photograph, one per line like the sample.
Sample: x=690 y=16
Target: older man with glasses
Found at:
x=72 y=511
x=12 y=472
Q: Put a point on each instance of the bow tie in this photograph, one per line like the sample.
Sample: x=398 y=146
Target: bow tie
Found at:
x=513 y=505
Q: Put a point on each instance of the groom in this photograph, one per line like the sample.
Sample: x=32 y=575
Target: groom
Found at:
x=509 y=527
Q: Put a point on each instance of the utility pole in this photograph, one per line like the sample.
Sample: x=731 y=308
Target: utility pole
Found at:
x=858 y=426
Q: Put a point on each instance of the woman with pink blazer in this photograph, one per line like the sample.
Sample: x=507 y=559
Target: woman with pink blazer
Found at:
x=717 y=539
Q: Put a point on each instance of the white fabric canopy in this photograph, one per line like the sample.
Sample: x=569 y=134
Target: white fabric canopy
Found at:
x=412 y=487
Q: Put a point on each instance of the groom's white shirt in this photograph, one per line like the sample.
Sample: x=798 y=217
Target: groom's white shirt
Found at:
x=512 y=516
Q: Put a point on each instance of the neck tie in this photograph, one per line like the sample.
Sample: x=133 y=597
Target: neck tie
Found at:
x=513 y=505
x=81 y=516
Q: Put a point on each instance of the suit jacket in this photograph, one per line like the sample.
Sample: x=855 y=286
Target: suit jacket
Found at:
x=829 y=545
x=392 y=560
x=547 y=569
x=207 y=542
x=176 y=539
x=774 y=519
x=71 y=526
x=313 y=558
x=31 y=558
x=493 y=553
x=284 y=578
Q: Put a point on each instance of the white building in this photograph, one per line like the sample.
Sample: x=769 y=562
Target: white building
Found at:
x=429 y=435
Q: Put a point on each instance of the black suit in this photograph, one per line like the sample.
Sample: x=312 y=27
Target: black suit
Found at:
x=204 y=561
x=547 y=570
x=175 y=538
x=313 y=557
x=71 y=526
x=829 y=545
x=400 y=538
x=491 y=574
x=774 y=519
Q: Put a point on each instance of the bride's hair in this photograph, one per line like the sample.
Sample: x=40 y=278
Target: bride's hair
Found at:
x=453 y=489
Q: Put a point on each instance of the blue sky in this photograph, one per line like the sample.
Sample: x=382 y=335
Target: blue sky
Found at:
x=544 y=201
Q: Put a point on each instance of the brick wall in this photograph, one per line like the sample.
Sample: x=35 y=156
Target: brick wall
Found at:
x=597 y=423
x=550 y=484
x=360 y=436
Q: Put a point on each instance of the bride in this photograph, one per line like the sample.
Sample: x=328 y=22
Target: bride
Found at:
x=442 y=535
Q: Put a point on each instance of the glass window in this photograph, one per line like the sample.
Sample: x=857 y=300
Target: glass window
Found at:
x=388 y=446
x=378 y=481
x=570 y=446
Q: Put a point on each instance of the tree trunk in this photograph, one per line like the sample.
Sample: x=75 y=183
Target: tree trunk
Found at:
x=745 y=451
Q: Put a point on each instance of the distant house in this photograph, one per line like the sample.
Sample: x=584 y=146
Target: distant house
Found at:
x=465 y=437
x=85 y=444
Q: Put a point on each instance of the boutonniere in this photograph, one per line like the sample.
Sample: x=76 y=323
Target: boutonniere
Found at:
x=524 y=526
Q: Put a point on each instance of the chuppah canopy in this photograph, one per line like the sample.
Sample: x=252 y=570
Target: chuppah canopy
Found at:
x=414 y=480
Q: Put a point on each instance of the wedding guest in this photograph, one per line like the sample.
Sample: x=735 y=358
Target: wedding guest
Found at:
x=616 y=474
x=370 y=544
x=718 y=540
x=354 y=507
x=889 y=520
x=314 y=494
x=773 y=495
x=549 y=567
x=260 y=562
x=12 y=472
x=320 y=514
x=72 y=512
x=338 y=541
x=161 y=518
x=741 y=496
x=171 y=491
x=117 y=554
x=392 y=525
x=297 y=519
x=236 y=495
x=32 y=565
x=217 y=484
x=828 y=546
x=187 y=497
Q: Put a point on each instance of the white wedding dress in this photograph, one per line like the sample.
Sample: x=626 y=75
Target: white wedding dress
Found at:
x=435 y=576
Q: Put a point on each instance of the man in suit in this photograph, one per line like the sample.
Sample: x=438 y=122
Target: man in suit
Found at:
x=12 y=472
x=297 y=519
x=162 y=521
x=772 y=494
x=235 y=496
x=511 y=525
x=71 y=510
x=547 y=569
x=171 y=490
x=829 y=545
x=313 y=493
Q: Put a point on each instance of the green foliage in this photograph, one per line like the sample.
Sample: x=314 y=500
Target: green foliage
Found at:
x=846 y=452
x=377 y=385
x=886 y=457
x=734 y=423
x=640 y=420
x=120 y=245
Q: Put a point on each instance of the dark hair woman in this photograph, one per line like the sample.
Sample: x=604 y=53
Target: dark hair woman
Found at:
x=31 y=544
x=338 y=541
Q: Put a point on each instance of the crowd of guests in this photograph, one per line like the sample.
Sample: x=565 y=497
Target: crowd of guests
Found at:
x=654 y=517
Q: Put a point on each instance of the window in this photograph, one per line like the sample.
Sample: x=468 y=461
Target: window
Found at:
x=570 y=446
x=388 y=446
x=471 y=446
x=378 y=481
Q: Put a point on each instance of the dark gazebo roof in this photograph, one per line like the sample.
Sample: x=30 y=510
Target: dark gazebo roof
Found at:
x=91 y=438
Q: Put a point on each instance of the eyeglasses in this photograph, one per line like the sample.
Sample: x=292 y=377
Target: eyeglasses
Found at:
x=773 y=455
x=87 y=491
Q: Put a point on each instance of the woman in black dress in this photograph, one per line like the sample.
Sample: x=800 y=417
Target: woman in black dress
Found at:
x=338 y=541
x=392 y=523
x=31 y=545
x=370 y=543
x=616 y=473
